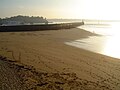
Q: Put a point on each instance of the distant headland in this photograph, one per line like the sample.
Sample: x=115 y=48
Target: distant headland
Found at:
x=22 y=20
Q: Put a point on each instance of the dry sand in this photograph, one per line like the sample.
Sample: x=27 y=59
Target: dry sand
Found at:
x=44 y=62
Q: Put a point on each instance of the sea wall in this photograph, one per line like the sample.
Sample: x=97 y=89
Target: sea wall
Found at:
x=40 y=27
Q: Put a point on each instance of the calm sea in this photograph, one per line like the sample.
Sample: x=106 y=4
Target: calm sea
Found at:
x=108 y=43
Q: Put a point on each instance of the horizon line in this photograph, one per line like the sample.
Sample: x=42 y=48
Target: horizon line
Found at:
x=63 y=18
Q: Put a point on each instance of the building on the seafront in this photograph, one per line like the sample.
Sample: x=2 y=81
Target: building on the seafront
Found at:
x=11 y=23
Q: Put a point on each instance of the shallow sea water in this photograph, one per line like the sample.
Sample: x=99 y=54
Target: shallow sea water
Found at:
x=108 y=43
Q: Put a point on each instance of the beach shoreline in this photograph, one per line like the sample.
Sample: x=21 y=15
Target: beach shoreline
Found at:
x=47 y=53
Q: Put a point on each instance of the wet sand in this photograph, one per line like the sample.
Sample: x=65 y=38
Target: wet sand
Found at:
x=57 y=66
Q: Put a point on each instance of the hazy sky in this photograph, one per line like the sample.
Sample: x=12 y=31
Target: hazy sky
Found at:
x=90 y=9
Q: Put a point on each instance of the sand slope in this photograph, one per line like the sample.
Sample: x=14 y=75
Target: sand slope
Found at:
x=9 y=80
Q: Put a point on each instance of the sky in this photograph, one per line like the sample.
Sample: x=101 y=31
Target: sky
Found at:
x=70 y=9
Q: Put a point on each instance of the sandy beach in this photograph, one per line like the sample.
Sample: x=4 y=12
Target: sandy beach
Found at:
x=42 y=61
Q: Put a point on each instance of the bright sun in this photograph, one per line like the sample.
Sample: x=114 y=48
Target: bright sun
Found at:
x=97 y=9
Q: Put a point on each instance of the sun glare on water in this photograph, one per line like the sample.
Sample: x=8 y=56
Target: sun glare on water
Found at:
x=108 y=43
x=112 y=44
